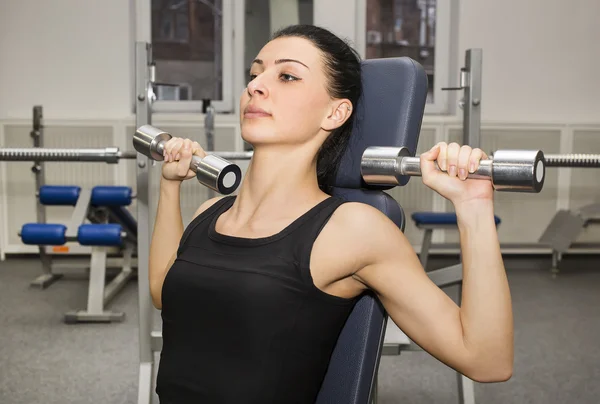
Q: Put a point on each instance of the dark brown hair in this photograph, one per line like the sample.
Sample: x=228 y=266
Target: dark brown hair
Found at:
x=343 y=69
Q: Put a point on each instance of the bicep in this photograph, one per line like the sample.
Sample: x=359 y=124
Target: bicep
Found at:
x=420 y=308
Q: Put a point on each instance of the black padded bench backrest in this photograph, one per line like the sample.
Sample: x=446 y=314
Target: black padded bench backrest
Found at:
x=389 y=113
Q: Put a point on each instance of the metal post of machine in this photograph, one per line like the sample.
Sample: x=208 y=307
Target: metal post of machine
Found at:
x=472 y=98
x=144 y=98
x=470 y=83
x=38 y=169
x=209 y=129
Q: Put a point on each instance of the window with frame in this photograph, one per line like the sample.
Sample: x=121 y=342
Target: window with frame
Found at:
x=411 y=28
x=189 y=50
x=264 y=17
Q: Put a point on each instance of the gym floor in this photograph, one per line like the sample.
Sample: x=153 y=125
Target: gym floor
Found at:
x=557 y=343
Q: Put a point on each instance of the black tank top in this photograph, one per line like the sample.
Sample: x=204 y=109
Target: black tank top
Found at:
x=243 y=322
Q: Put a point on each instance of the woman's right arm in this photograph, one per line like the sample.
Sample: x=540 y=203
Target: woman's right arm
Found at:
x=168 y=224
x=168 y=229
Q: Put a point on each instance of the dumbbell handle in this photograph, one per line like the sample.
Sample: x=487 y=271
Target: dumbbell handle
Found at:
x=212 y=171
x=509 y=170
x=196 y=165
x=412 y=166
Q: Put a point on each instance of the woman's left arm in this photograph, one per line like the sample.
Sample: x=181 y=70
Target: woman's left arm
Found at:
x=476 y=338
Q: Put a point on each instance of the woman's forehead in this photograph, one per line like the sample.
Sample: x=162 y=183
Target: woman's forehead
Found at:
x=293 y=48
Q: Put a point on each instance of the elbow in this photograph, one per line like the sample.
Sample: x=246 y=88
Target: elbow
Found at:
x=498 y=375
x=494 y=372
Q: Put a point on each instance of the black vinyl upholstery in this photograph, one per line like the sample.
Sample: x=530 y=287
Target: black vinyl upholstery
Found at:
x=389 y=113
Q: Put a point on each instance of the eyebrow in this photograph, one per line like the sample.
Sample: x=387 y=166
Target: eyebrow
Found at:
x=279 y=61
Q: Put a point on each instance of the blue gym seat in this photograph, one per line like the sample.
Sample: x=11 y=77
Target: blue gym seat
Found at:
x=388 y=114
x=439 y=218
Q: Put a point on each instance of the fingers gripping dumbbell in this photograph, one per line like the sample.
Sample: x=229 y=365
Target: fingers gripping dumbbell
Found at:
x=213 y=171
x=509 y=170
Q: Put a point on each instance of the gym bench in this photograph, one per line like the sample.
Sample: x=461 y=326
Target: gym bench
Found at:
x=564 y=229
x=111 y=226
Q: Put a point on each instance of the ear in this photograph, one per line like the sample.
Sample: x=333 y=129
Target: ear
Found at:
x=338 y=113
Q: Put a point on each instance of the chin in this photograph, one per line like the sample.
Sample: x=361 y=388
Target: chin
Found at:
x=256 y=134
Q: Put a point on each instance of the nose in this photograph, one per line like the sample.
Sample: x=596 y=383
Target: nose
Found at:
x=257 y=87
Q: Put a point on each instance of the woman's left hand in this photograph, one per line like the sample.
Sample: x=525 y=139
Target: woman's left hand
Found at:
x=450 y=180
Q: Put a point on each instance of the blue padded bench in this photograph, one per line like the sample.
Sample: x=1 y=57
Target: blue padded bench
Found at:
x=101 y=235
x=430 y=221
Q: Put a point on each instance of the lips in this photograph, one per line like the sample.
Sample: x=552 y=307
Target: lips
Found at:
x=252 y=111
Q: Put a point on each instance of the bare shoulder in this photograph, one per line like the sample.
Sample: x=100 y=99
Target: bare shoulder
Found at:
x=207 y=204
x=363 y=221
x=363 y=232
x=357 y=236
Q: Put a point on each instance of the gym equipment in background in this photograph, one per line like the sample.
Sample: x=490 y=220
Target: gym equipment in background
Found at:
x=111 y=226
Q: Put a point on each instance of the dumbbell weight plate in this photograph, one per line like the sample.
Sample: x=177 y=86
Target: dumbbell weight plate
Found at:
x=519 y=170
x=147 y=141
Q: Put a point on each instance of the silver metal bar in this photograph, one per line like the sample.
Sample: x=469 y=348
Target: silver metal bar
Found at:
x=37 y=134
x=466 y=389
x=228 y=155
x=209 y=129
x=573 y=160
x=157 y=341
x=447 y=276
x=472 y=98
x=109 y=155
x=97 y=281
x=424 y=254
x=412 y=166
x=79 y=213
x=143 y=56
x=120 y=281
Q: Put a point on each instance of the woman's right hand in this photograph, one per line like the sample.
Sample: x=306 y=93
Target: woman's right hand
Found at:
x=178 y=154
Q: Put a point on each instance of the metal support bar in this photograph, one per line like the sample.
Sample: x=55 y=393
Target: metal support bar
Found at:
x=424 y=255
x=573 y=160
x=110 y=155
x=96 y=293
x=79 y=214
x=37 y=134
x=472 y=98
x=470 y=82
x=144 y=95
x=119 y=282
x=447 y=276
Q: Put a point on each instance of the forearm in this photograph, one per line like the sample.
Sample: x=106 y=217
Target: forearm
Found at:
x=168 y=229
x=486 y=310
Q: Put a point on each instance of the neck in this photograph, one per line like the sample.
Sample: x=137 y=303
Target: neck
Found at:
x=278 y=177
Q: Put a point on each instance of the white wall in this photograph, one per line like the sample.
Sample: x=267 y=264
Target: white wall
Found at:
x=540 y=58
x=74 y=57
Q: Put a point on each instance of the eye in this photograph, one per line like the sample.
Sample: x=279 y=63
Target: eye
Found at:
x=251 y=77
x=288 y=77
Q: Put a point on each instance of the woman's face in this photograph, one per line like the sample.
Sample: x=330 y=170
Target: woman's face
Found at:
x=286 y=100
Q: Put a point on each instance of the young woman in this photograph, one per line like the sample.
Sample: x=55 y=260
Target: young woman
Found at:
x=257 y=288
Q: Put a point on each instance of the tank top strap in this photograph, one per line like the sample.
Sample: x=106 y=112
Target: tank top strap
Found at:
x=215 y=209
x=311 y=230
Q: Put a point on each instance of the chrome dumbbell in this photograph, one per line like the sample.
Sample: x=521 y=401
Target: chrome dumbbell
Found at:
x=509 y=170
x=212 y=171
